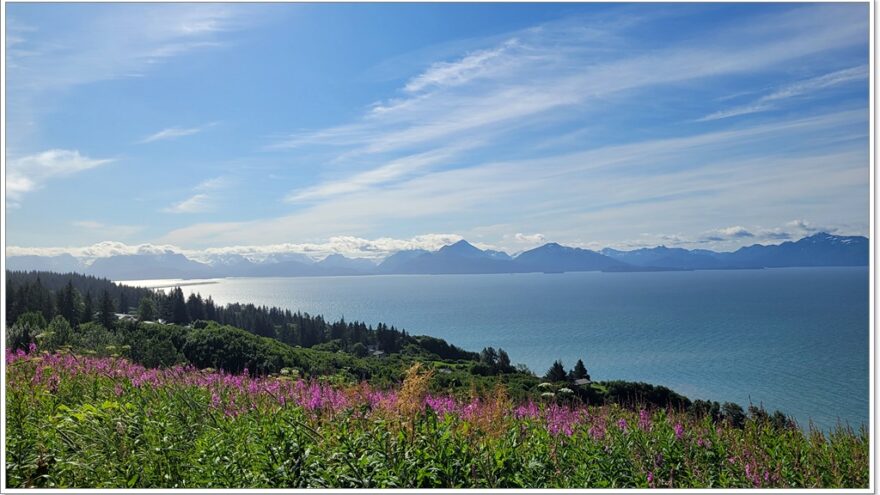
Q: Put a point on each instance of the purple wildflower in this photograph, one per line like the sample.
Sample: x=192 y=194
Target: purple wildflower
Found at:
x=644 y=420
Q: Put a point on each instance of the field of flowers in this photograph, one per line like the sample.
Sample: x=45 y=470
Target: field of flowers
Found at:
x=80 y=421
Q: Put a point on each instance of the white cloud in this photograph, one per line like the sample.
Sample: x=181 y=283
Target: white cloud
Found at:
x=733 y=232
x=350 y=246
x=117 y=42
x=390 y=172
x=28 y=173
x=197 y=203
x=174 y=133
x=551 y=72
x=469 y=67
x=202 y=200
x=529 y=238
x=769 y=101
x=99 y=250
x=803 y=226
x=687 y=180
x=113 y=42
x=553 y=68
x=108 y=230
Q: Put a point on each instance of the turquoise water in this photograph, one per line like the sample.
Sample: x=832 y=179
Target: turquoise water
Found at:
x=794 y=339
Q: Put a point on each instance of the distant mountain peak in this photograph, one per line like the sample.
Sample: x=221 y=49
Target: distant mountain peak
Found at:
x=461 y=247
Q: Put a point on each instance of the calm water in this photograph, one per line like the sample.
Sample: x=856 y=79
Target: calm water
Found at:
x=795 y=339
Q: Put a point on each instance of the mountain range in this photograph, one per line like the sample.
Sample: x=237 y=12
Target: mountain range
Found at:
x=820 y=249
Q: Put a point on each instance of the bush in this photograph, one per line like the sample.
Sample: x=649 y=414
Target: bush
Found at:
x=57 y=335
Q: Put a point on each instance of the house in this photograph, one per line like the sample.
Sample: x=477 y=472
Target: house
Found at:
x=582 y=382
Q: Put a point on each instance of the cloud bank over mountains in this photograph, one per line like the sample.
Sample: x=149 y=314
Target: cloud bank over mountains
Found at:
x=726 y=238
x=462 y=257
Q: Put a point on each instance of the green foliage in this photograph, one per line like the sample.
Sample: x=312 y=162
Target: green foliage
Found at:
x=579 y=371
x=359 y=350
x=38 y=291
x=94 y=338
x=33 y=319
x=556 y=373
x=734 y=414
x=638 y=394
x=58 y=334
x=96 y=430
x=147 y=310
x=25 y=330
x=107 y=312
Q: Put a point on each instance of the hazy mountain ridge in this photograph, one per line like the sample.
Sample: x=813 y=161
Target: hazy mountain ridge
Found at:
x=462 y=257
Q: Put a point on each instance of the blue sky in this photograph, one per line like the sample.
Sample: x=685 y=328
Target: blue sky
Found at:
x=364 y=129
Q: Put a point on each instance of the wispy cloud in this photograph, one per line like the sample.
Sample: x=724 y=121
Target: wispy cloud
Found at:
x=197 y=203
x=505 y=94
x=727 y=233
x=557 y=67
x=618 y=189
x=31 y=172
x=393 y=171
x=805 y=87
x=108 y=230
x=203 y=200
x=112 y=42
x=118 y=41
x=174 y=133
x=471 y=66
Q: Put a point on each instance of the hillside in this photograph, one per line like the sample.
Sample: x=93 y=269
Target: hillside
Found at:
x=185 y=428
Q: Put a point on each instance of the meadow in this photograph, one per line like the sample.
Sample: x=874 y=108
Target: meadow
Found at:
x=78 y=420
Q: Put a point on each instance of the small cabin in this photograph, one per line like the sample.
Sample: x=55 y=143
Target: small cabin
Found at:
x=582 y=382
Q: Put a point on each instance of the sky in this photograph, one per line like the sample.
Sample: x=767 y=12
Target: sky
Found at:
x=365 y=129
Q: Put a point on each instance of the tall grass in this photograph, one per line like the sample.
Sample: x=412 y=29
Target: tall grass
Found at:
x=78 y=421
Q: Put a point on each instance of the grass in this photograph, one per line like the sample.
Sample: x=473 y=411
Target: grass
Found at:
x=80 y=421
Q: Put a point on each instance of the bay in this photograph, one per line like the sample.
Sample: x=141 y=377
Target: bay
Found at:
x=794 y=339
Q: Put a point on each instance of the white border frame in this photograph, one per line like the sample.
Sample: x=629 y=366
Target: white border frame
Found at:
x=871 y=290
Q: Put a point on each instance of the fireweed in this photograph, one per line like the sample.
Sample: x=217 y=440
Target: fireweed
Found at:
x=79 y=421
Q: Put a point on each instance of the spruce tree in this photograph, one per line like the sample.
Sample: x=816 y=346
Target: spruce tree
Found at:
x=579 y=371
x=146 y=309
x=179 y=311
x=107 y=315
x=556 y=373
x=88 y=313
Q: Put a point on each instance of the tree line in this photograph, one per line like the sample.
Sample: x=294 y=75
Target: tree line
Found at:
x=83 y=299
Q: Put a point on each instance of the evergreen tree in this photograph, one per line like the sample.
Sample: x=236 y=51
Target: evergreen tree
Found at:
x=67 y=303
x=210 y=310
x=579 y=371
x=489 y=357
x=123 y=303
x=146 y=309
x=107 y=316
x=556 y=373
x=195 y=307
x=179 y=311
x=88 y=313
x=504 y=365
